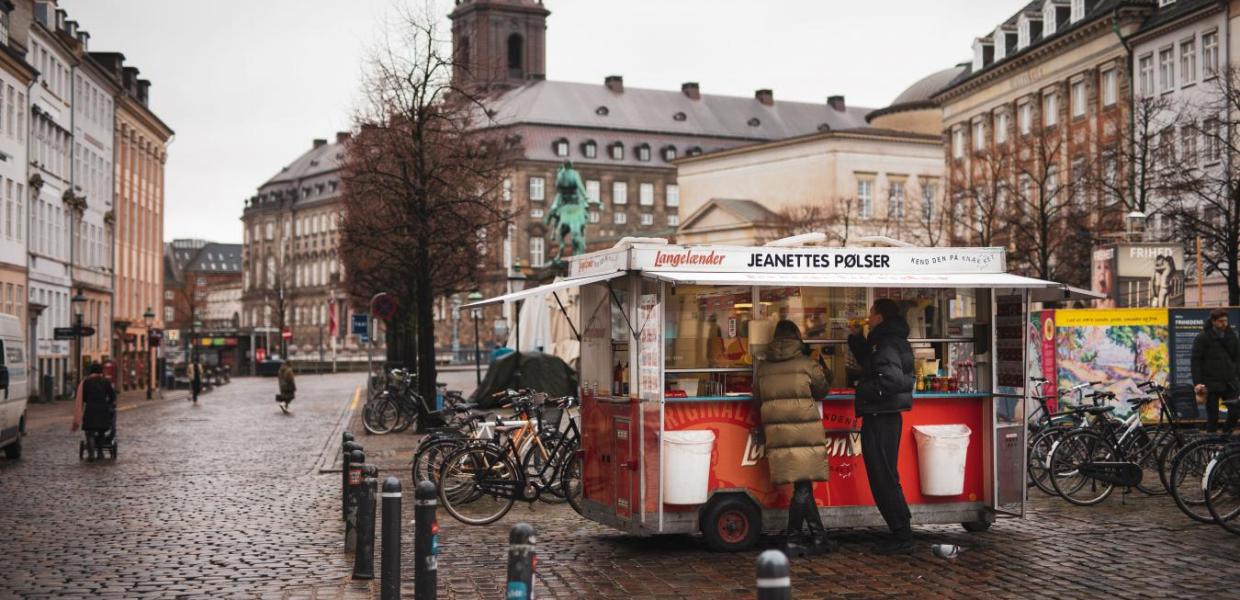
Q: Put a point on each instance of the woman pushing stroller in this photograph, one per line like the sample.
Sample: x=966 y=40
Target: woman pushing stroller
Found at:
x=95 y=414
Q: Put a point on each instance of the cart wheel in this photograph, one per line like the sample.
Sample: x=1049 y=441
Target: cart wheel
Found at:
x=976 y=526
x=731 y=524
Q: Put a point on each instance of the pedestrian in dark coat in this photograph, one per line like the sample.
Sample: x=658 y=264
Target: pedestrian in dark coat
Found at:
x=789 y=382
x=884 y=391
x=195 y=380
x=1216 y=369
x=288 y=386
x=95 y=411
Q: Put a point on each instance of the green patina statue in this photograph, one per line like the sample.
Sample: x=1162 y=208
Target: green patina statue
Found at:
x=568 y=212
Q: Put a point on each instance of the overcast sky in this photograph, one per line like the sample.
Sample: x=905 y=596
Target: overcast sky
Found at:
x=247 y=84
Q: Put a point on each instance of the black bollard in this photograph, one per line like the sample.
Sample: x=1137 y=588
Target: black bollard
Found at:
x=364 y=558
x=425 y=542
x=347 y=457
x=389 y=588
x=352 y=498
x=521 y=562
x=773 y=580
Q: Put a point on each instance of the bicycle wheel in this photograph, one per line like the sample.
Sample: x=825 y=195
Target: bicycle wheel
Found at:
x=537 y=456
x=1142 y=448
x=428 y=460
x=1079 y=448
x=1188 y=468
x=570 y=477
x=1172 y=444
x=1222 y=490
x=479 y=484
x=381 y=416
x=1039 y=451
x=408 y=415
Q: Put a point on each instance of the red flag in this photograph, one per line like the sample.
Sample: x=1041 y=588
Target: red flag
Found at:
x=331 y=318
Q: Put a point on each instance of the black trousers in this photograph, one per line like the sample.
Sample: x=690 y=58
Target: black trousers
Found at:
x=803 y=510
x=880 y=447
x=1233 y=415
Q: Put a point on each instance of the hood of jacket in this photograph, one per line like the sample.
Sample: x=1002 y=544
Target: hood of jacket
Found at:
x=896 y=326
x=783 y=349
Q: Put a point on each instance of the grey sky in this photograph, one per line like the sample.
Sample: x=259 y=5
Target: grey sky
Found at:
x=247 y=84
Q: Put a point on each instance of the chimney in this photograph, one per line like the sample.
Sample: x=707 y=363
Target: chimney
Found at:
x=71 y=28
x=84 y=39
x=343 y=136
x=836 y=102
x=615 y=83
x=766 y=97
x=319 y=143
x=144 y=91
x=690 y=89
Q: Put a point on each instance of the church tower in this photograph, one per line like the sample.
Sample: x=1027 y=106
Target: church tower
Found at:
x=498 y=44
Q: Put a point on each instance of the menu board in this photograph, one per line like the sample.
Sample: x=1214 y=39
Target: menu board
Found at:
x=1009 y=343
x=1183 y=326
x=649 y=362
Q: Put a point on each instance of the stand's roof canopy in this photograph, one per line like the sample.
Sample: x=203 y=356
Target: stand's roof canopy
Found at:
x=855 y=280
x=546 y=289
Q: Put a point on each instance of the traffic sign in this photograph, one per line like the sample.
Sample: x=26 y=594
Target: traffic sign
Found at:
x=361 y=324
x=383 y=305
x=68 y=333
x=287 y=334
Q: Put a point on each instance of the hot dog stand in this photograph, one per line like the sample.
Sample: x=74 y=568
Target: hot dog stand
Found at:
x=670 y=338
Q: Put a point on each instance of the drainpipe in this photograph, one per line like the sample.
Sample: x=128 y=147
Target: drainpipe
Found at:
x=1132 y=98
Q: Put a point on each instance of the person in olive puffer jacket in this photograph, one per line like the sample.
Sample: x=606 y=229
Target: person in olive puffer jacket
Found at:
x=885 y=390
x=796 y=444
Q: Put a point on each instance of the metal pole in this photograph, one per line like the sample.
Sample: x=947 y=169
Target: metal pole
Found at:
x=773 y=580
x=425 y=542
x=352 y=499
x=521 y=560
x=1201 y=299
x=477 y=351
x=364 y=558
x=390 y=569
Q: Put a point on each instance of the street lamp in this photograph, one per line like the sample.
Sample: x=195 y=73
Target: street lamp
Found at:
x=456 y=327
x=148 y=318
x=476 y=313
x=516 y=281
x=1136 y=222
x=78 y=300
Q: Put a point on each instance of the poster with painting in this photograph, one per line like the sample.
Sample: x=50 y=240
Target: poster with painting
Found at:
x=1119 y=347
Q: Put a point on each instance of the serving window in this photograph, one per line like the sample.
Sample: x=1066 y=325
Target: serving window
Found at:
x=706 y=340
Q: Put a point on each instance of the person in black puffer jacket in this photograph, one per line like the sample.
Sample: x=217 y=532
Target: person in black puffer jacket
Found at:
x=1216 y=369
x=885 y=390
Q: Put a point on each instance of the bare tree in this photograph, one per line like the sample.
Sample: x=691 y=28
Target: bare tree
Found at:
x=1129 y=175
x=837 y=218
x=1051 y=226
x=986 y=196
x=931 y=222
x=422 y=174
x=1205 y=180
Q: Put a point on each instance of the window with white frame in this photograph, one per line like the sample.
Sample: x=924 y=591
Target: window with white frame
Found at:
x=865 y=197
x=1209 y=54
x=594 y=216
x=1188 y=62
x=561 y=147
x=645 y=194
x=1188 y=143
x=1078 y=99
x=1145 y=75
x=538 y=189
x=590 y=149
x=979 y=135
x=958 y=142
x=1026 y=118
x=1050 y=109
x=1078 y=10
x=673 y=220
x=647 y=219
x=895 y=198
x=619 y=192
x=669 y=153
x=1110 y=87
x=536 y=213
x=1166 y=70
x=929 y=193
x=617 y=151
x=1001 y=126
x=671 y=195
x=643 y=153
x=593 y=192
x=1052 y=182
x=619 y=218
x=1212 y=129
x=538 y=251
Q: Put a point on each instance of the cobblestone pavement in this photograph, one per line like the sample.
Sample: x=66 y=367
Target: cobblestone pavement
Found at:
x=218 y=500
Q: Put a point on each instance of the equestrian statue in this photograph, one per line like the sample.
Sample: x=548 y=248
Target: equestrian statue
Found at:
x=567 y=216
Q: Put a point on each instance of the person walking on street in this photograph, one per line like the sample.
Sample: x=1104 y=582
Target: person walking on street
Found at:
x=94 y=411
x=195 y=380
x=1216 y=369
x=288 y=386
x=788 y=384
x=885 y=390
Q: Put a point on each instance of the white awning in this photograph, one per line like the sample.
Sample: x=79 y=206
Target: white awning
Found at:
x=905 y=280
x=1064 y=293
x=545 y=289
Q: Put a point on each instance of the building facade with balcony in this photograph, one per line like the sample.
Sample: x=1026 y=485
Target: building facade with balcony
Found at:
x=16 y=77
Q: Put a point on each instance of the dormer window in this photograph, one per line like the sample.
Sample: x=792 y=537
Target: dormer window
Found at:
x=669 y=153
x=643 y=153
x=1048 y=17
x=694 y=151
x=1078 y=10
x=1028 y=30
x=560 y=147
x=983 y=53
x=616 y=151
x=589 y=149
x=1005 y=42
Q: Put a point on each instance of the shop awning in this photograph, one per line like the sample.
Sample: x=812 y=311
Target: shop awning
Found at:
x=546 y=289
x=1064 y=293
x=906 y=280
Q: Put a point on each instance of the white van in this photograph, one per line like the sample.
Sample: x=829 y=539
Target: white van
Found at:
x=14 y=385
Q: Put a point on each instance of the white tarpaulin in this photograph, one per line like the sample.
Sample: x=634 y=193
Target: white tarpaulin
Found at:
x=891 y=280
x=545 y=289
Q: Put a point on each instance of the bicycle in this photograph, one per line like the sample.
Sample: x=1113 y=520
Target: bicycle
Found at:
x=1221 y=487
x=481 y=482
x=1186 y=475
x=1058 y=424
x=399 y=406
x=1095 y=459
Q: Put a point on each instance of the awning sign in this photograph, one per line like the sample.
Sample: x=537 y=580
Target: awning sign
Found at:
x=819 y=260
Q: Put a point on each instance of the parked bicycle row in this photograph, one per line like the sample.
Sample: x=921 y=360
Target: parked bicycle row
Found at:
x=1083 y=452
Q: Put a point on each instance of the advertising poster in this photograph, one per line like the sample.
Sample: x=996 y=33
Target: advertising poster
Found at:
x=1149 y=275
x=1122 y=347
x=1040 y=350
x=1185 y=324
x=1103 y=278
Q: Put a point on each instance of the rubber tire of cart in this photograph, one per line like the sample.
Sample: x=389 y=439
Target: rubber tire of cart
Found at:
x=976 y=526
x=735 y=509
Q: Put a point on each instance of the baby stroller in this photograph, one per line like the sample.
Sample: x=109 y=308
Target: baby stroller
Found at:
x=99 y=431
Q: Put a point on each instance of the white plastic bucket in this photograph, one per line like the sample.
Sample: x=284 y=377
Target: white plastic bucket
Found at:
x=941 y=453
x=686 y=466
